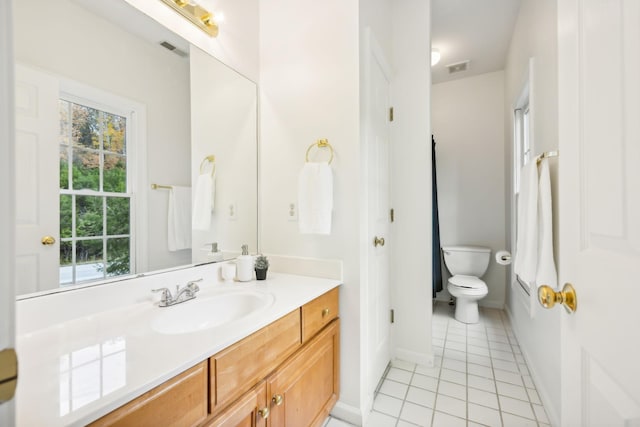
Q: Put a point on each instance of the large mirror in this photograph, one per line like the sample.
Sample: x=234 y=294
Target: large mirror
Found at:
x=117 y=121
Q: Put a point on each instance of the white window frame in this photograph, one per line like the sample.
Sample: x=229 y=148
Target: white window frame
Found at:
x=136 y=116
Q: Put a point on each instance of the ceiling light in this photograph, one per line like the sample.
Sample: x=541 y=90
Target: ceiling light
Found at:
x=435 y=56
x=195 y=13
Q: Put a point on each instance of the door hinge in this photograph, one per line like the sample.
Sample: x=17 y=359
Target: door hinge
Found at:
x=392 y=215
x=391 y=114
x=392 y=316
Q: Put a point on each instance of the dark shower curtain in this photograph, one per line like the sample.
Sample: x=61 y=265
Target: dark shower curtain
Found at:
x=435 y=226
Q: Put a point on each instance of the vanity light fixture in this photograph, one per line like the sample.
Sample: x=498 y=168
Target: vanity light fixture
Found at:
x=195 y=13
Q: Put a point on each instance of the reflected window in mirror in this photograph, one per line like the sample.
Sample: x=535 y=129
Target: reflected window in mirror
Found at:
x=96 y=196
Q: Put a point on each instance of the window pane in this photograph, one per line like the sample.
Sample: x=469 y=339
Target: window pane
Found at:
x=115 y=173
x=118 y=260
x=114 y=133
x=85 y=126
x=89 y=260
x=89 y=211
x=66 y=263
x=64 y=168
x=117 y=215
x=65 y=122
x=86 y=170
x=65 y=217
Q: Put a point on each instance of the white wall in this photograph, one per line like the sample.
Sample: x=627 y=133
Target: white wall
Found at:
x=535 y=35
x=468 y=126
x=411 y=179
x=309 y=90
x=75 y=44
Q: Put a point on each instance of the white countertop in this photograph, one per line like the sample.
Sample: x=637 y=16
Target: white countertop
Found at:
x=77 y=370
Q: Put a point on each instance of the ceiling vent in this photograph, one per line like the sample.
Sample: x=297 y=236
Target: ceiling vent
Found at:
x=173 y=49
x=458 y=67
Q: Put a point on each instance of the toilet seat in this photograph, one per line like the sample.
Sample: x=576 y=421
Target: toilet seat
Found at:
x=469 y=285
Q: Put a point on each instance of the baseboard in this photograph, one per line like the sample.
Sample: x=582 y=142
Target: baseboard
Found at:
x=347 y=413
x=424 y=359
x=554 y=417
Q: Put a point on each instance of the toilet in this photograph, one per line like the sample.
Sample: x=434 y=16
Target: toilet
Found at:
x=467 y=264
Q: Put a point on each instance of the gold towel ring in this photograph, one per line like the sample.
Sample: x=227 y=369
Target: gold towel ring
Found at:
x=321 y=143
x=212 y=160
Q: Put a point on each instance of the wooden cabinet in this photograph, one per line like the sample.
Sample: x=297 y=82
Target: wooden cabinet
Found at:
x=251 y=410
x=318 y=313
x=304 y=389
x=181 y=401
x=245 y=363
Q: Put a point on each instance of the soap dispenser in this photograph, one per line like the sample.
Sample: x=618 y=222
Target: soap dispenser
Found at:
x=215 y=254
x=244 y=265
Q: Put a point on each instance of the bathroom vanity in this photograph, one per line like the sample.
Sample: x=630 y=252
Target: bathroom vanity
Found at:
x=277 y=365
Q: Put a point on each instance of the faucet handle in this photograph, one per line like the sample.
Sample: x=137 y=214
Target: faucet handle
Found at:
x=192 y=285
x=166 y=294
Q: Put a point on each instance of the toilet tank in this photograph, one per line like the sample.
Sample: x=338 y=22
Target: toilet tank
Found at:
x=467 y=260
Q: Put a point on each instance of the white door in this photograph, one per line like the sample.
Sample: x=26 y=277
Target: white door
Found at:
x=378 y=164
x=37 y=184
x=7 y=329
x=599 y=124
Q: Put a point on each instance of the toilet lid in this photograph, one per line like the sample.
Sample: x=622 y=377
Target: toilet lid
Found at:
x=469 y=282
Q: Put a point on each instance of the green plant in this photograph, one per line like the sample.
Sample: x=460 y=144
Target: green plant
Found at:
x=261 y=263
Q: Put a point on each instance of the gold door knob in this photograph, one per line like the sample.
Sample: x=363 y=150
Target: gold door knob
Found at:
x=325 y=312
x=378 y=241
x=277 y=399
x=264 y=412
x=48 y=240
x=8 y=374
x=567 y=297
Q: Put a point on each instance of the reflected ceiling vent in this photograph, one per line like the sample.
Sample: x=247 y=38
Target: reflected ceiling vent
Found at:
x=458 y=67
x=174 y=49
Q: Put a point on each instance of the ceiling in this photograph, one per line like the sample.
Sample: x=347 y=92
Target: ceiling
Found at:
x=475 y=30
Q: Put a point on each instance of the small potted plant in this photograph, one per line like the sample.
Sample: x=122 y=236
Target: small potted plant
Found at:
x=261 y=267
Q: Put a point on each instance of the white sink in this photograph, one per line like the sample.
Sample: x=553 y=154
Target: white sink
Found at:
x=209 y=311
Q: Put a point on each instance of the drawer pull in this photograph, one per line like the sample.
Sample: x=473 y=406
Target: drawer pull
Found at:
x=325 y=312
x=277 y=399
x=264 y=413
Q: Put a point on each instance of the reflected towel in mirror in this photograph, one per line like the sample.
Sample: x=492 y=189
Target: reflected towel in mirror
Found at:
x=526 y=257
x=203 y=201
x=178 y=219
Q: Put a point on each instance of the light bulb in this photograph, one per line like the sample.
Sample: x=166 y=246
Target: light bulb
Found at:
x=435 y=56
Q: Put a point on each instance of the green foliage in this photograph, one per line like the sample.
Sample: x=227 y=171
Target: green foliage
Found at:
x=261 y=263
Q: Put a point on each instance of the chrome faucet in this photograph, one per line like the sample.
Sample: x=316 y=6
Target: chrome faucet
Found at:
x=183 y=294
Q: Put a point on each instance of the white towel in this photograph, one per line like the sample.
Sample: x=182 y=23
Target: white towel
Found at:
x=315 y=198
x=526 y=259
x=203 y=201
x=179 y=219
x=546 y=272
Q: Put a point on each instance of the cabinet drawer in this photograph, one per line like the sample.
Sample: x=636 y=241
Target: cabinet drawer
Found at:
x=181 y=401
x=241 y=366
x=318 y=313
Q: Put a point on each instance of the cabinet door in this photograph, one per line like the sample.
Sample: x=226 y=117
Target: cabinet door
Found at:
x=181 y=401
x=251 y=410
x=305 y=388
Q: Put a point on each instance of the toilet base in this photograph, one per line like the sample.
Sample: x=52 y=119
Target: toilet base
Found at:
x=467 y=310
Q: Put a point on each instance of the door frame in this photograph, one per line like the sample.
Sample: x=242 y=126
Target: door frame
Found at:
x=7 y=193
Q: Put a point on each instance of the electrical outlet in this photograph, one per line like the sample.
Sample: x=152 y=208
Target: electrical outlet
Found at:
x=232 y=211
x=292 y=213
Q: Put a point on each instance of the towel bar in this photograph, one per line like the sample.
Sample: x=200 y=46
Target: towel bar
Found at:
x=321 y=143
x=211 y=159
x=546 y=155
x=161 y=187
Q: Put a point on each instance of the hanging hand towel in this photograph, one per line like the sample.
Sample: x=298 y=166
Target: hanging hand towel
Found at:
x=179 y=219
x=315 y=198
x=546 y=272
x=526 y=258
x=203 y=201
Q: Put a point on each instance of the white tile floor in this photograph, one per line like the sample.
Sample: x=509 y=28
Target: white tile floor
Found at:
x=480 y=379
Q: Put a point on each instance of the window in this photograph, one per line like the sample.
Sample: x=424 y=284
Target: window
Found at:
x=96 y=202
